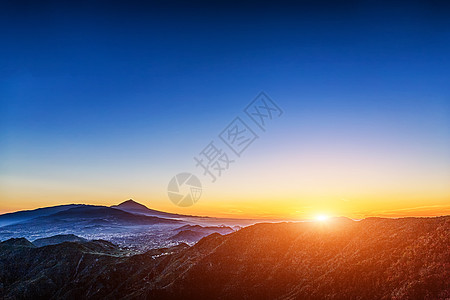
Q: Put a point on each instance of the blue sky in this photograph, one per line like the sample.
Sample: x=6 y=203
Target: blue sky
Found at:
x=107 y=94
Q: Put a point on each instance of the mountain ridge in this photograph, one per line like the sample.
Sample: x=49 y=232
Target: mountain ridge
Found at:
x=376 y=259
x=134 y=207
x=24 y=215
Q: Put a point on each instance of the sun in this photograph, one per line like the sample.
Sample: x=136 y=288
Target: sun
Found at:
x=321 y=218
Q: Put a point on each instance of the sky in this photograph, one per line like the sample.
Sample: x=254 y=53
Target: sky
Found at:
x=102 y=101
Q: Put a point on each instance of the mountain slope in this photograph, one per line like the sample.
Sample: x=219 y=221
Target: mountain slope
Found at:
x=94 y=215
x=19 y=242
x=193 y=233
x=21 y=216
x=132 y=206
x=206 y=229
x=58 y=239
x=371 y=259
x=107 y=214
x=98 y=222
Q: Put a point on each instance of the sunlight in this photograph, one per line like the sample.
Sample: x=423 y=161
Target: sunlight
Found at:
x=322 y=218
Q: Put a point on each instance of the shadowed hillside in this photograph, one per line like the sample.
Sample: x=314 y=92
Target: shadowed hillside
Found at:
x=370 y=259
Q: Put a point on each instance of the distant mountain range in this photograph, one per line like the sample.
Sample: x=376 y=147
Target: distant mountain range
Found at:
x=21 y=216
x=58 y=239
x=121 y=212
x=129 y=224
x=104 y=214
x=137 y=208
x=340 y=259
x=193 y=233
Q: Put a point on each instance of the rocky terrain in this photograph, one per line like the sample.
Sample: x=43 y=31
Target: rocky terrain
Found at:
x=339 y=259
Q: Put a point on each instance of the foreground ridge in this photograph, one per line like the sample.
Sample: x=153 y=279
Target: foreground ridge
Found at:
x=373 y=258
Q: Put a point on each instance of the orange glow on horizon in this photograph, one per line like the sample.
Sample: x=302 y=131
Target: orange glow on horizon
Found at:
x=259 y=199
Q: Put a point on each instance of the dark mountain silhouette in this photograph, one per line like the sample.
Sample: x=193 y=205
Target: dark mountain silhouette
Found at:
x=106 y=213
x=94 y=215
x=19 y=242
x=369 y=259
x=58 y=239
x=90 y=211
x=134 y=207
x=131 y=204
x=138 y=231
x=25 y=215
x=193 y=233
x=206 y=229
x=137 y=208
x=189 y=236
x=86 y=220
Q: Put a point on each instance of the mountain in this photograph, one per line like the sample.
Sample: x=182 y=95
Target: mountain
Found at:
x=340 y=259
x=370 y=259
x=84 y=211
x=193 y=233
x=206 y=229
x=128 y=224
x=107 y=214
x=93 y=215
x=132 y=206
x=137 y=231
x=189 y=236
x=73 y=270
x=19 y=242
x=21 y=216
x=58 y=239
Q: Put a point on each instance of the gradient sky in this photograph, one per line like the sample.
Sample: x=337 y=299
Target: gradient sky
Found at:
x=102 y=101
